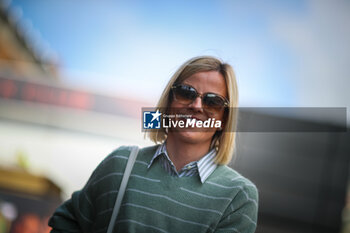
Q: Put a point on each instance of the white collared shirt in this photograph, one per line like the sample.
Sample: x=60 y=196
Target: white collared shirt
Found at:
x=203 y=167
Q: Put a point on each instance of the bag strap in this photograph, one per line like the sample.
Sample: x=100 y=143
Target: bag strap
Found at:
x=118 y=201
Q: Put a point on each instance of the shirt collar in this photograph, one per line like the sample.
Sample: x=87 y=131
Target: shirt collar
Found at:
x=160 y=150
x=206 y=165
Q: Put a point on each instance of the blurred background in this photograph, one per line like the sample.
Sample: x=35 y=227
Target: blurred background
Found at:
x=74 y=76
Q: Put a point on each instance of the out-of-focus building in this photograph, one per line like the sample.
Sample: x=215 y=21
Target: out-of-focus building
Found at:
x=52 y=136
x=20 y=54
x=48 y=124
x=26 y=200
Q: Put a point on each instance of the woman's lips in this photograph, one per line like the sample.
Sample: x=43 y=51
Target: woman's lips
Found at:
x=197 y=118
x=194 y=117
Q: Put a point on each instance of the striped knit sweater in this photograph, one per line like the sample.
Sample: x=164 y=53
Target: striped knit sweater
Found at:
x=155 y=201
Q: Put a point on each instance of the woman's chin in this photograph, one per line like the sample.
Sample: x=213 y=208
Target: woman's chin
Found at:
x=193 y=136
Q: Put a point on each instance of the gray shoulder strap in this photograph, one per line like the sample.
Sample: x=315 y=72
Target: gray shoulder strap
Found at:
x=118 y=202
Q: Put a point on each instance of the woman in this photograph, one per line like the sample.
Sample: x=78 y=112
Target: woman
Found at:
x=182 y=184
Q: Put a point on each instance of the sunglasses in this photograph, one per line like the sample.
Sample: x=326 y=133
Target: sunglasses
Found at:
x=186 y=94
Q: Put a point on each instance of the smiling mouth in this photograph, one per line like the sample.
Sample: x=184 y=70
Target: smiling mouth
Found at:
x=186 y=114
x=191 y=118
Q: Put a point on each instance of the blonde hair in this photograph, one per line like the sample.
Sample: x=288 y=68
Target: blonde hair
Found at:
x=224 y=141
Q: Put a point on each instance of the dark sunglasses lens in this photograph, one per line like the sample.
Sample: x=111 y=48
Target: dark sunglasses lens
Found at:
x=213 y=101
x=185 y=94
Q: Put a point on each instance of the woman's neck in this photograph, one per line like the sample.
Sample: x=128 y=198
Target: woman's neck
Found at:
x=182 y=153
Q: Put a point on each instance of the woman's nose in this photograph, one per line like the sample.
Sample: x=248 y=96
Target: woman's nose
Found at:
x=197 y=103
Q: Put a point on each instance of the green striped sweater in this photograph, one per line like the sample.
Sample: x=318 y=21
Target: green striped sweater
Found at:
x=154 y=201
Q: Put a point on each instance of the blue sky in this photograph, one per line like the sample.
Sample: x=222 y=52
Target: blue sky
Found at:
x=284 y=52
